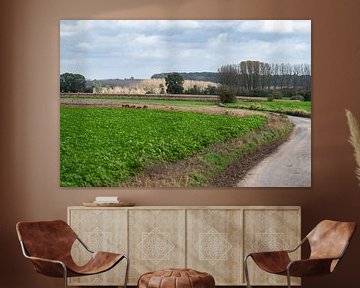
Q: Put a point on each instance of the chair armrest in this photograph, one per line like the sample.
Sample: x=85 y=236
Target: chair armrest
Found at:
x=48 y=267
x=45 y=260
x=84 y=245
x=298 y=246
x=309 y=267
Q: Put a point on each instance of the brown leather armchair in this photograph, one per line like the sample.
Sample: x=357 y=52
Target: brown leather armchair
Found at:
x=328 y=242
x=48 y=245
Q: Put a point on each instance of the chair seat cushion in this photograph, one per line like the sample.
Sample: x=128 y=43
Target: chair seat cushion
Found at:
x=176 y=278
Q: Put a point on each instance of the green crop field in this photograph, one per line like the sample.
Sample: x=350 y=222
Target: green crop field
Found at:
x=106 y=147
x=296 y=108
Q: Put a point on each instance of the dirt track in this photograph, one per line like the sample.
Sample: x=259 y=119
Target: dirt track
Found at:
x=289 y=166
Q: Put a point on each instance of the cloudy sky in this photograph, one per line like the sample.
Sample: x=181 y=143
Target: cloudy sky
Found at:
x=101 y=49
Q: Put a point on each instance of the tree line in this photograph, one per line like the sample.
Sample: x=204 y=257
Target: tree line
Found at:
x=248 y=78
x=255 y=78
x=198 y=76
x=70 y=82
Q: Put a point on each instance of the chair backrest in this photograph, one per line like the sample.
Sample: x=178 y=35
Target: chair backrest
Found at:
x=46 y=239
x=329 y=239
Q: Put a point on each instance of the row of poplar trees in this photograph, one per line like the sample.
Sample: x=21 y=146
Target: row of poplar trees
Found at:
x=255 y=78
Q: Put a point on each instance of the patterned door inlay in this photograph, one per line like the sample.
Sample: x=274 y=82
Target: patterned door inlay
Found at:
x=99 y=240
x=213 y=246
x=270 y=240
x=156 y=246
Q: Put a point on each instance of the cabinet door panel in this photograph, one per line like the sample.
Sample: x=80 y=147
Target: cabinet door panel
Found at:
x=214 y=244
x=270 y=230
x=100 y=230
x=156 y=240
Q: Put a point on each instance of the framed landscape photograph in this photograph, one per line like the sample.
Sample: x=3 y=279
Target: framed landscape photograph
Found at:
x=185 y=103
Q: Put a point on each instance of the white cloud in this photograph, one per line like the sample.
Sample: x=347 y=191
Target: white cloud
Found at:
x=70 y=26
x=182 y=24
x=275 y=26
x=219 y=40
x=66 y=33
x=275 y=52
x=147 y=40
x=83 y=45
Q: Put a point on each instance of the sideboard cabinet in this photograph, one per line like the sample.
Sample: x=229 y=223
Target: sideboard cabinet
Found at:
x=211 y=239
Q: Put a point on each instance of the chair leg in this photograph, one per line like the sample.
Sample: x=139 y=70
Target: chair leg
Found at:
x=288 y=278
x=127 y=271
x=65 y=276
x=246 y=270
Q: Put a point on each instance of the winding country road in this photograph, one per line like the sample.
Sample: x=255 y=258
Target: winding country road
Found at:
x=290 y=165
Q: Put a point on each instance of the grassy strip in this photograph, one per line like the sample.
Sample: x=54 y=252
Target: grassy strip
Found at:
x=294 y=108
x=106 y=147
x=218 y=165
x=114 y=100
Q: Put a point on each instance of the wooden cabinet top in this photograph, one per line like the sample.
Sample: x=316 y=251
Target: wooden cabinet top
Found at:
x=194 y=207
